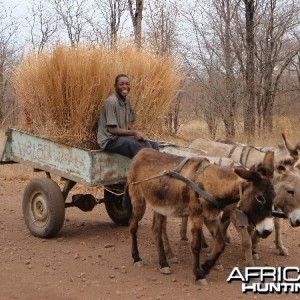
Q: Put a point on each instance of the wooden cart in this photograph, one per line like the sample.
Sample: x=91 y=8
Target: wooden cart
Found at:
x=44 y=202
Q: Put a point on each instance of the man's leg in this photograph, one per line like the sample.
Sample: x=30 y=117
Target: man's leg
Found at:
x=126 y=145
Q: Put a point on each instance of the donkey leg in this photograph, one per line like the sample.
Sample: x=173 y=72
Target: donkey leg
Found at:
x=183 y=234
x=204 y=244
x=183 y=228
x=168 y=250
x=157 y=228
x=133 y=227
x=197 y=224
x=138 y=209
x=255 y=242
x=219 y=245
x=278 y=238
x=225 y=222
x=246 y=245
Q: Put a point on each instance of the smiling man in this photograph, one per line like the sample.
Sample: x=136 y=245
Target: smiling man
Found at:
x=115 y=130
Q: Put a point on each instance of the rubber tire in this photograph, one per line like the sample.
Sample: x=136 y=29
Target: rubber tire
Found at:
x=114 y=207
x=43 y=199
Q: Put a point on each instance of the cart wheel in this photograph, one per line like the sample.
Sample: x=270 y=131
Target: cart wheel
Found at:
x=43 y=207
x=114 y=207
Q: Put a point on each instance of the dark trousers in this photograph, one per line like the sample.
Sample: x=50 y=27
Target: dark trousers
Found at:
x=128 y=145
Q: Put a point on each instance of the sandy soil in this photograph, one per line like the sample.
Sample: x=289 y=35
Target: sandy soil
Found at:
x=90 y=259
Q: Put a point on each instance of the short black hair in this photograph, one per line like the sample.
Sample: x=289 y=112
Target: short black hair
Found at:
x=119 y=76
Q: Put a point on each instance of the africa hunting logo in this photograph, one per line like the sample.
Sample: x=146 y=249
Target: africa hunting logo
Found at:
x=267 y=280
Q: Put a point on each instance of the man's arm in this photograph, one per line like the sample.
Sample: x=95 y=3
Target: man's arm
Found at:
x=126 y=132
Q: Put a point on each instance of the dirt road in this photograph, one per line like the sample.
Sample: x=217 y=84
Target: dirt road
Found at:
x=90 y=259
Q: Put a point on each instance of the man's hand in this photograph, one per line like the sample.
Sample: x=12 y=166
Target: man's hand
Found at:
x=138 y=135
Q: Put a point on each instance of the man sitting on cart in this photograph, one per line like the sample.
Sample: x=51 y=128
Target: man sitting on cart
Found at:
x=115 y=131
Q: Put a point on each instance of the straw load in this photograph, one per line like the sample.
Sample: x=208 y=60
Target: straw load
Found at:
x=62 y=92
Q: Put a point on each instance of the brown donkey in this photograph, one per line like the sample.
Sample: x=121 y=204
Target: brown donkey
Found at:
x=176 y=186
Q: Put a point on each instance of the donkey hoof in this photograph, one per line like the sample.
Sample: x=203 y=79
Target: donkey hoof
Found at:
x=138 y=264
x=219 y=267
x=284 y=252
x=165 y=270
x=256 y=256
x=201 y=281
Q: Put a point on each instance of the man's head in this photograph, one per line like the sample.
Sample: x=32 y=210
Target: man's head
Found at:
x=122 y=85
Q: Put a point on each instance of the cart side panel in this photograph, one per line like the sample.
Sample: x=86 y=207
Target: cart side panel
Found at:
x=68 y=162
x=5 y=150
x=90 y=167
x=109 y=168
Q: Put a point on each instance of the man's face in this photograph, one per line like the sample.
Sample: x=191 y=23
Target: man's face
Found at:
x=123 y=87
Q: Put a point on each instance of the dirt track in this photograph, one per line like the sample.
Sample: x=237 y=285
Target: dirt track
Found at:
x=90 y=259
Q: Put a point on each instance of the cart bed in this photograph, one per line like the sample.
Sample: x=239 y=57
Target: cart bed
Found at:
x=89 y=167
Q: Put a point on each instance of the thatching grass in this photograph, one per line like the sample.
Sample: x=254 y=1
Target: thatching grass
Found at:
x=63 y=91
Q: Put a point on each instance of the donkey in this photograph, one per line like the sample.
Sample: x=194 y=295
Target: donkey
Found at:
x=177 y=186
x=286 y=183
x=287 y=200
x=187 y=152
x=287 y=188
x=284 y=201
x=244 y=154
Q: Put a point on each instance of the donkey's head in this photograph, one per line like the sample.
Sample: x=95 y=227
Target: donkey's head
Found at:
x=257 y=194
x=287 y=188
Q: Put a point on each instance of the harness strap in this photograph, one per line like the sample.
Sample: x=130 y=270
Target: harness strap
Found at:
x=202 y=167
x=232 y=150
x=195 y=187
x=204 y=164
x=242 y=154
x=181 y=165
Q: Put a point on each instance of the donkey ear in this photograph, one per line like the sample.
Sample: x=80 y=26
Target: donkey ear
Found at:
x=293 y=150
x=246 y=174
x=266 y=168
x=268 y=161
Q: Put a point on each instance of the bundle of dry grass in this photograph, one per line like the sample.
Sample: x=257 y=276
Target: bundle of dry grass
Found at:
x=63 y=91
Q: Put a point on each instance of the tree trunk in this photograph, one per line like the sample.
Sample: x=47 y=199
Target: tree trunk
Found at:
x=249 y=104
x=268 y=118
x=136 y=17
x=212 y=128
x=2 y=90
x=229 y=124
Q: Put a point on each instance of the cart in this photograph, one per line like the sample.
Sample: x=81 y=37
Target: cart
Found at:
x=44 y=202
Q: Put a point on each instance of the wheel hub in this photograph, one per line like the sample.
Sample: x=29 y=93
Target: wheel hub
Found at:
x=39 y=210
